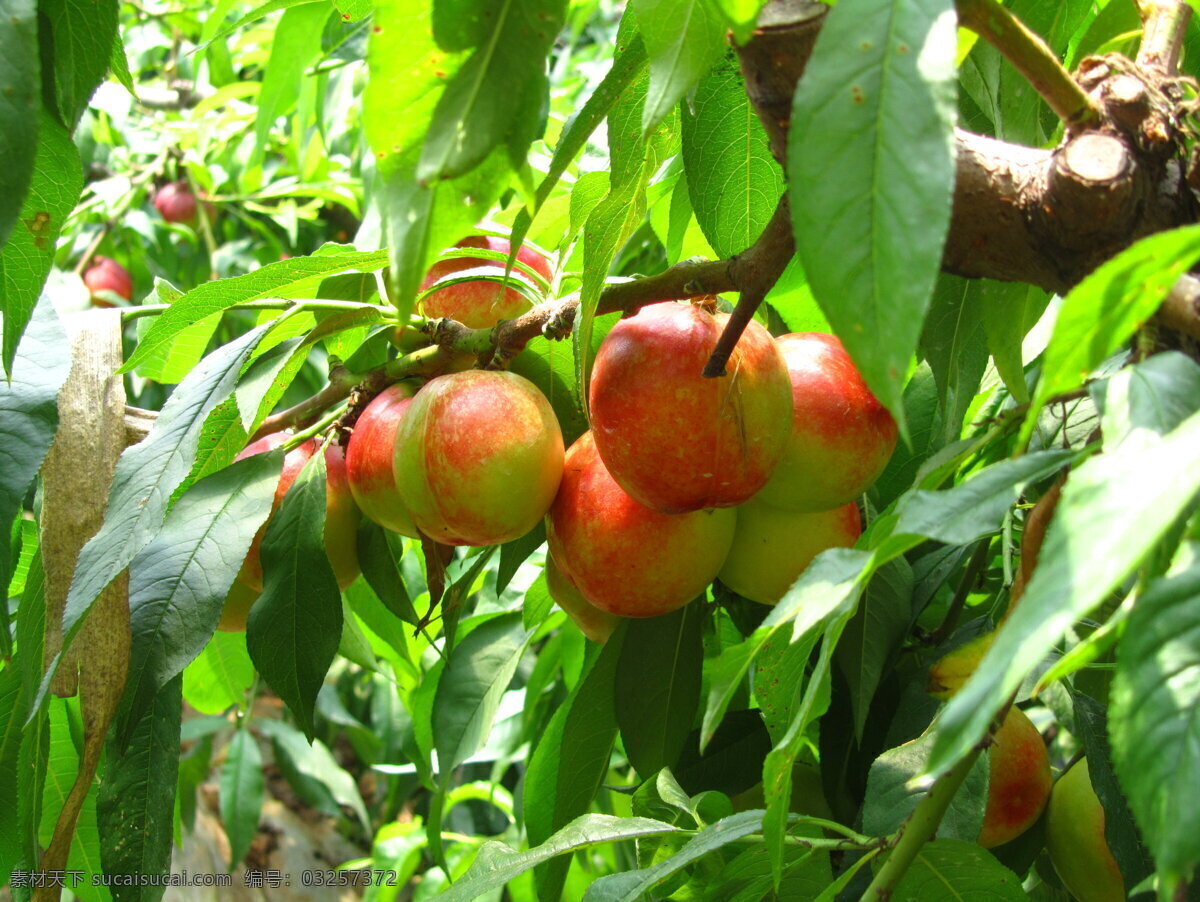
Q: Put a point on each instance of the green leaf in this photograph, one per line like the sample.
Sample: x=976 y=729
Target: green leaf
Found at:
x=296 y=43
x=29 y=410
x=733 y=181
x=19 y=101
x=26 y=258
x=178 y=583
x=14 y=704
x=658 y=686
x=1114 y=509
x=82 y=33
x=975 y=507
x=498 y=87
x=62 y=766
x=294 y=628
x=537 y=604
x=950 y=870
x=793 y=300
x=779 y=668
x=954 y=343
x=631 y=886
x=274 y=280
x=874 y=634
x=893 y=790
x=241 y=793
x=136 y=803
x=119 y=64
x=314 y=761
x=1102 y=311
x=146 y=475
x=379 y=555
x=629 y=62
x=513 y=554
x=831 y=583
x=581 y=731
x=477 y=674
x=1010 y=310
x=684 y=38
x=1152 y=722
x=220 y=675
x=1142 y=402
x=871 y=182
x=496 y=864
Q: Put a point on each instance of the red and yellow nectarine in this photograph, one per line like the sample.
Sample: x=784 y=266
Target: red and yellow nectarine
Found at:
x=622 y=556
x=370 y=459
x=106 y=274
x=1018 y=780
x=594 y=623
x=674 y=440
x=480 y=303
x=478 y=457
x=842 y=437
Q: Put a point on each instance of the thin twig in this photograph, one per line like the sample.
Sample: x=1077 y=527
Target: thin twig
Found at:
x=975 y=568
x=1032 y=58
x=920 y=827
x=754 y=273
x=1165 y=24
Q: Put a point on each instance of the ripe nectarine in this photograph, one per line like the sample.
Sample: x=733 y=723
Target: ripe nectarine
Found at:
x=674 y=440
x=106 y=274
x=478 y=457
x=1018 y=780
x=622 y=556
x=481 y=303
x=842 y=437
x=370 y=458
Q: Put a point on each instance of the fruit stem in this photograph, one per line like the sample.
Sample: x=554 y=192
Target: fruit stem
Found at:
x=1031 y=57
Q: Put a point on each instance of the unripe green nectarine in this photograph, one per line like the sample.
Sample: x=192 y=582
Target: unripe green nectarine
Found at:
x=622 y=556
x=771 y=546
x=1076 y=842
x=673 y=439
x=478 y=457
x=370 y=459
x=842 y=437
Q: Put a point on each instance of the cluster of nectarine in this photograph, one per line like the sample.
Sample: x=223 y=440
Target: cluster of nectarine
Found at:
x=681 y=480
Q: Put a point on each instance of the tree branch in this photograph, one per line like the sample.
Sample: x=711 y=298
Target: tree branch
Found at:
x=1166 y=23
x=1032 y=58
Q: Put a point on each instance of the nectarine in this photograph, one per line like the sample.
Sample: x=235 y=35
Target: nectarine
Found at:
x=480 y=303
x=622 y=556
x=1018 y=780
x=341 y=515
x=842 y=437
x=1076 y=841
x=478 y=457
x=106 y=274
x=772 y=547
x=594 y=623
x=370 y=458
x=673 y=439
